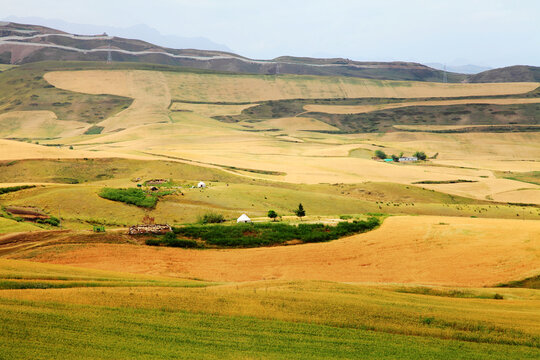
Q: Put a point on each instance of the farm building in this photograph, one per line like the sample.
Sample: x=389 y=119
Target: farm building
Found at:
x=149 y=229
x=406 y=159
x=201 y=185
x=243 y=219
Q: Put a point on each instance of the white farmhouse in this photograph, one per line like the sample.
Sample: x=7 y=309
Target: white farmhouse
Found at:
x=410 y=158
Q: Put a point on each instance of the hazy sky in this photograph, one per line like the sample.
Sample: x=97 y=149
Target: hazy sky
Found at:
x=483 y=32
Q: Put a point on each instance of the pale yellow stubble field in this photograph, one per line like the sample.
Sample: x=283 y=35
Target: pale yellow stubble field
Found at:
x=303 y=156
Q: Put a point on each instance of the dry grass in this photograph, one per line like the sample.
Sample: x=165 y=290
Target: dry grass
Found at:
x=418 y=250
x=148 y=89
x=305 y=157
x=9 y=226
x=239 y=88
x=525 y=196
x=358 y=109
x=210 y=110
x=37 y=124
x=291 y=124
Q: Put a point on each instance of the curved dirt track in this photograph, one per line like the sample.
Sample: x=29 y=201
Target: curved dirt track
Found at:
x=419 y=249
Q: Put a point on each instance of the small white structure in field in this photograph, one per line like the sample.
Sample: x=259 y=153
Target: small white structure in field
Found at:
x=201 y=185
x=405 y=159
x=243 y=219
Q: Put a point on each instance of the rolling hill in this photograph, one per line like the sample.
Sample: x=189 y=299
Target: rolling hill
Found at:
x=508 y=74
x=21 y=44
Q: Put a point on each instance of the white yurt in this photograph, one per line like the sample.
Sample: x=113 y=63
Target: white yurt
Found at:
x=201 y=185
x=243 y=219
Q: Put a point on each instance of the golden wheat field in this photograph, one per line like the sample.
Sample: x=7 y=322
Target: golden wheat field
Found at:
x=148 y=129
x=418 y=250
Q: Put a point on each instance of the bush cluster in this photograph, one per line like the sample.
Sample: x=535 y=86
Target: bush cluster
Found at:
x=171 y=240
x=211 y=218
x=5 y=190
x=53 y=221
x=129 y=196
x=264 y=234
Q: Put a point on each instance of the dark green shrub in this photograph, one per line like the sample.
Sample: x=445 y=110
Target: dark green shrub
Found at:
x=420 y=155
x=129 y=196
x=265 y=234
x=300 y=212
x=380 y=154
x=272 y=214
x=170 y=236
x=5 y=190
x=211 y=218
x=153 y=242
x=182 y=243
x=53 y=221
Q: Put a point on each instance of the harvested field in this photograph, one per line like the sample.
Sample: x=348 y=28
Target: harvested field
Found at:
x=453 y=127
x=37 y=124
x=252 y=88
x=524 y=196
x=148 y=89
x=17 y=150
x=291 y=124
x=422 y=249
x=210 y=110
x=358 y=109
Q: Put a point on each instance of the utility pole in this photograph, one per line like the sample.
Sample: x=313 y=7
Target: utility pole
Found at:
x=109 y=55
x=445 y=76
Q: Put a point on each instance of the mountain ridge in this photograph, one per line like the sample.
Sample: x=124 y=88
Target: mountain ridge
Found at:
x=23 y=43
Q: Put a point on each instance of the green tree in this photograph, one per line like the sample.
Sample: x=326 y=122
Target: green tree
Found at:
x=420 y=155
x=395 y=158
x=300 y=212
x=272 y=215
x=380 y=154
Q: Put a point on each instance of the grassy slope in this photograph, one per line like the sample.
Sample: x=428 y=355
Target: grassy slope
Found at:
x=384 y=120
x=531 y=177
x=79 y=204
x=530 y=282
x=8 y=226
x=149 y=317
x=23 y=88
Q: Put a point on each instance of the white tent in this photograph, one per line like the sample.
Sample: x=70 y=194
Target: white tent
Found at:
x=201 y=185
x=243 y=219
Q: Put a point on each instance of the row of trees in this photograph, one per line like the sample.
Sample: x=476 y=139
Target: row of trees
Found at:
x=382 y=155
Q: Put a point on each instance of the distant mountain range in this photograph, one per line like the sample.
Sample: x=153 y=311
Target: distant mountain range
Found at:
x=141 y=32
x=20 y=44
x=462 y=69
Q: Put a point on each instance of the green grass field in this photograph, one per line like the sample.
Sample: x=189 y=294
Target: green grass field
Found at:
x=104 y=315
x=73 y=195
